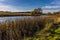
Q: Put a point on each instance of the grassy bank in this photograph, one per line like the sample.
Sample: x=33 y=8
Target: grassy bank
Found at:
x=28 y=29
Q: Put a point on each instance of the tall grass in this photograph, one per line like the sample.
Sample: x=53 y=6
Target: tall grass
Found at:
x=19 y=29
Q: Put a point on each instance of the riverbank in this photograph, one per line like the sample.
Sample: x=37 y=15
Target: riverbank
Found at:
x=23 y=29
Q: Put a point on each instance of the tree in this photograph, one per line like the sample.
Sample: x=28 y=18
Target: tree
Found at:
x=49 y=13
x=37 y=11
x=57 y=13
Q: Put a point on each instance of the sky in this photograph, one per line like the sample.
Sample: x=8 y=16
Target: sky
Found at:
x=29 y=5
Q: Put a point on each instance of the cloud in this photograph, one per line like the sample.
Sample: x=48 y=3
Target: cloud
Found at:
x=56 y=2
x=9 y=8
x=2 y=0
x=46 y=11
x=49 y=7
x=54 y=6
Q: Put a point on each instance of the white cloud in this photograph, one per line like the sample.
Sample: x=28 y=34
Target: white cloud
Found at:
x=56 y=2
x=11 y=8
x=51 y=7
x=2 y=0
x=45 y=11
x=8 y=8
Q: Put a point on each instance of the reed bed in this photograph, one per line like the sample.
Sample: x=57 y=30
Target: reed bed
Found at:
x=19 y=29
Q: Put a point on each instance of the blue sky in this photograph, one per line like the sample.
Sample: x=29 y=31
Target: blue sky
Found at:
x=28 y=5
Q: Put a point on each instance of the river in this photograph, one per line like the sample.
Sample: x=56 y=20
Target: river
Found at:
x=2 y=19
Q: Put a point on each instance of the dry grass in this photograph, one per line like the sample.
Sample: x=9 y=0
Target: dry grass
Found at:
x=19 y=29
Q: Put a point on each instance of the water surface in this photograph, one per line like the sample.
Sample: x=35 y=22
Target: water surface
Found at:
x=2 y=19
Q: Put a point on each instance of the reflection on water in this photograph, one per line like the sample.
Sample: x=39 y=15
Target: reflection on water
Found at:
x=2 y=19
x=14 y=18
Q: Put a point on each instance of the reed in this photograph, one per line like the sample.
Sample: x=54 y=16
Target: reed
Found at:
x=19 y=29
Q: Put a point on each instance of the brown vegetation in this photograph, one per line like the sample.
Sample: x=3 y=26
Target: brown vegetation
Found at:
x=18 y=29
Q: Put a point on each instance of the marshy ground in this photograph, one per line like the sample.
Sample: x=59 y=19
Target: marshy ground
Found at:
x=38 y=28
